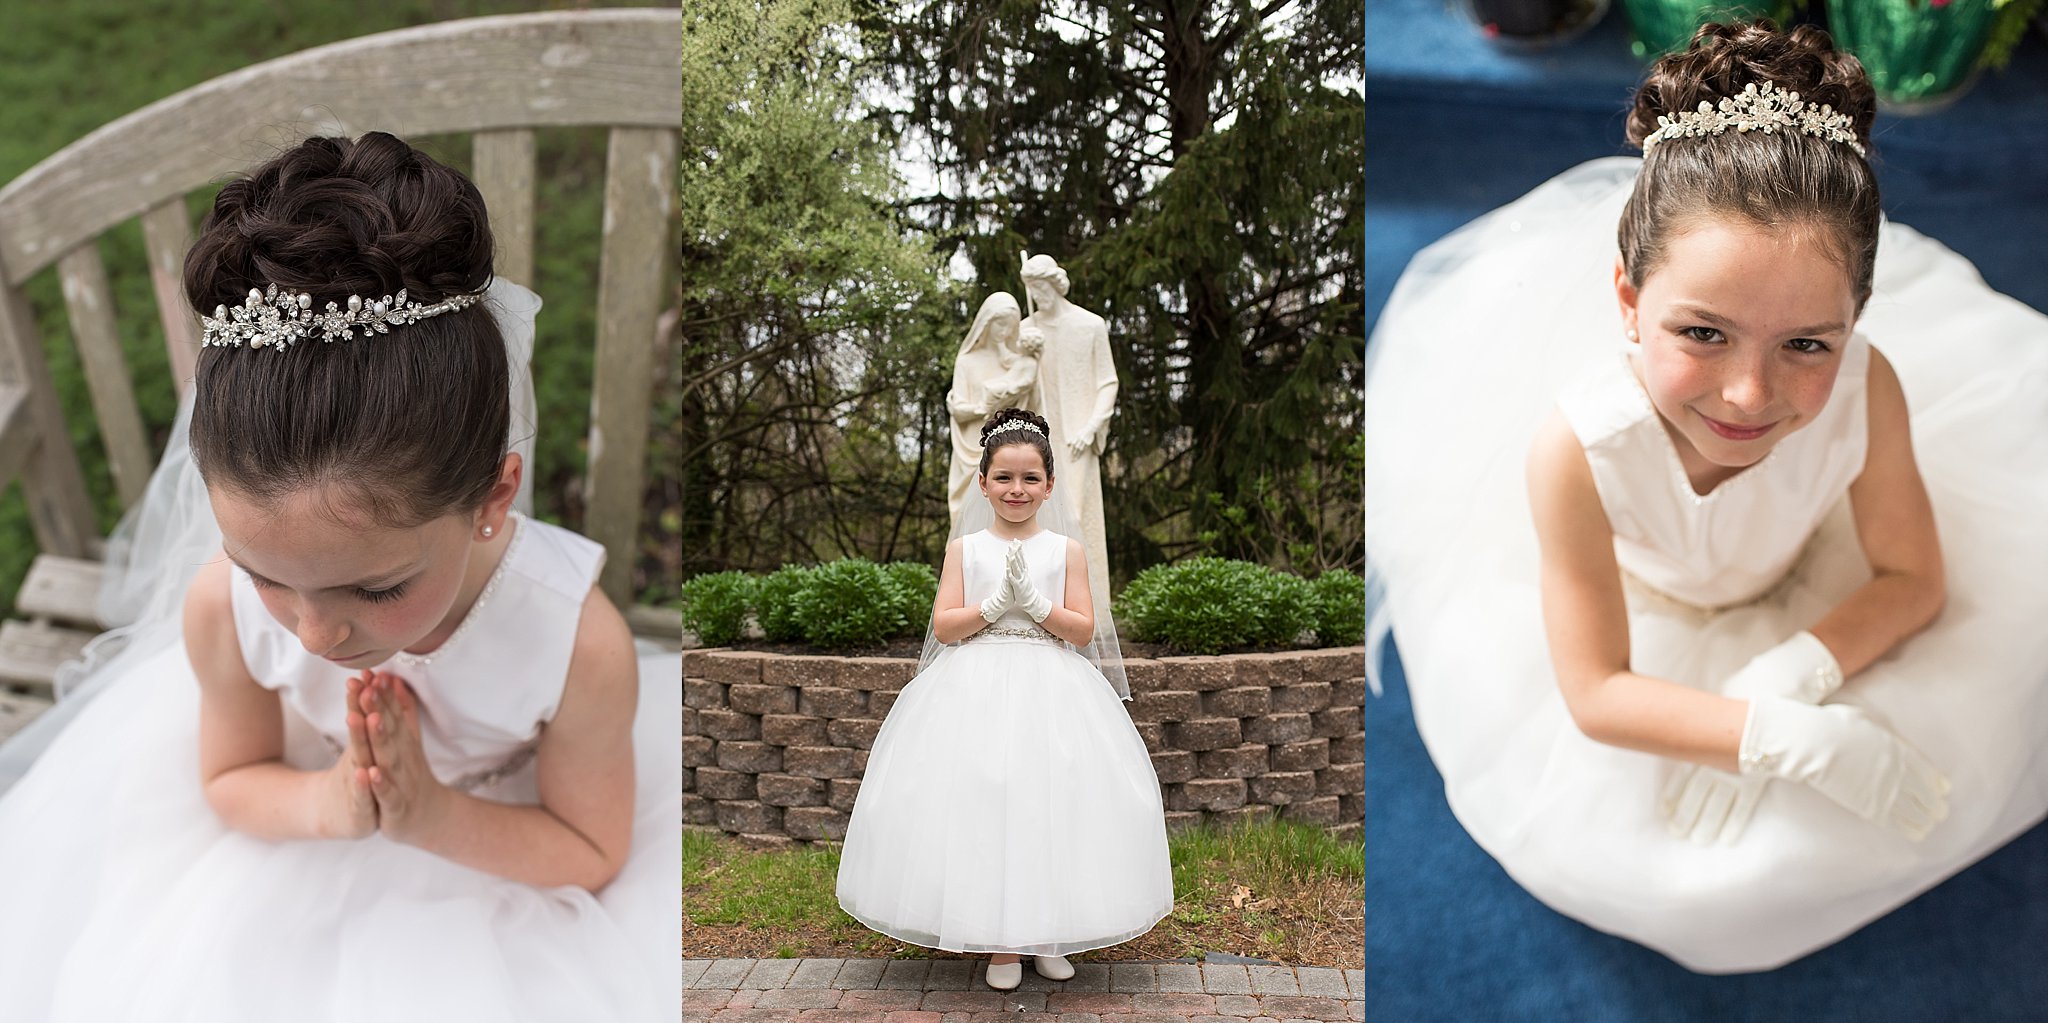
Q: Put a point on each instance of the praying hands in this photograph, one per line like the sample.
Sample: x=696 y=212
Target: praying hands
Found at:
x=392 y=786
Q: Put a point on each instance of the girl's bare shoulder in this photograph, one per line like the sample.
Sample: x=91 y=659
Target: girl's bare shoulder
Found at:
x=211 y=640
x=1556 y=458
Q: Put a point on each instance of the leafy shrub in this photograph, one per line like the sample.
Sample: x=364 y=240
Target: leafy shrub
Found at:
x=775 y=604
x=715 y=606
x=849 y=603
x=1339 y=618
x=915 y=586
x=1207 y=605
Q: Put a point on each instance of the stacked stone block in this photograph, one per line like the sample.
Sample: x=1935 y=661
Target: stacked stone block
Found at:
x=774 y=745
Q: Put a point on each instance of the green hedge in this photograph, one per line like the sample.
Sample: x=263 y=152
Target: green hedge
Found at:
x=851 y=602
x=839 y=605
x=1339 y=615
x=1203 y=606
x=1208 y=605
x=715 y=606
x=775 y=604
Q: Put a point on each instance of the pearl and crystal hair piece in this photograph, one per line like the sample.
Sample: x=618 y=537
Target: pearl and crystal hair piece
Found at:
x=1016 y=424
x=1764 y=108
x=274 y=319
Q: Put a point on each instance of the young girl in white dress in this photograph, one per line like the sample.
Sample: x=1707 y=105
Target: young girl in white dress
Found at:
x=1640 y=511
x=384 y=763
x=1009 y=805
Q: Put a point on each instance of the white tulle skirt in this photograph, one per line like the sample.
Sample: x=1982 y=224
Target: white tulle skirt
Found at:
x=1479 y=336
x=123 y=897
x=1008 y=806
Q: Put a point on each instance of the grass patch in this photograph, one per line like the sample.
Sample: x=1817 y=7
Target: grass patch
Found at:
x=1274 y=890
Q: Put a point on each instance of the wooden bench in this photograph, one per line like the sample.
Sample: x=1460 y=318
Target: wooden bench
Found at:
x=498 y=79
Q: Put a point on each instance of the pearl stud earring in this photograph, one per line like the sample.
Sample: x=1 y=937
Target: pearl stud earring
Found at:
x=488 y=531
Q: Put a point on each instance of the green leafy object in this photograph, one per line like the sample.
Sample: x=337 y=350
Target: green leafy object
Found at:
x=1208 y=605
x=914 y=587
x=1209 y=208
x=775 y=605
x=848 y=603
x=715 y=606
x=1339 y=611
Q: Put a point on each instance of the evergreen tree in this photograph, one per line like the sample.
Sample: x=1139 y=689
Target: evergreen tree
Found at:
x=1197 y=167
x=803 y=301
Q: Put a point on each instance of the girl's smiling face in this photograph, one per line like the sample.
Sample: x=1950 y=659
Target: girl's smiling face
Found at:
x=1741 y=332
x=353 y=591
x=1016 y=482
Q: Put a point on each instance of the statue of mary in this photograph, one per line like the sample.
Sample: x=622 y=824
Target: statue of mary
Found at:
x=997 y=367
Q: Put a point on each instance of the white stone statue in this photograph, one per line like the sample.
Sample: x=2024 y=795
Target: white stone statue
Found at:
x=997 y=367
x=1077 y=395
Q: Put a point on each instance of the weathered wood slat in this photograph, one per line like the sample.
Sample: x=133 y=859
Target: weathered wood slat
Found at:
x=91 y=304
x=17 y=710
x=31 y=652
x=663 y=625
x=17 y=431
x=615 y=67
x=64 y=589
x=166 y=234
x=58 y=507
x=638 y=199
x=504 y=174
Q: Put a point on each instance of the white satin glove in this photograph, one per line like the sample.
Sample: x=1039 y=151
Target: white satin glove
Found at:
x=1025 y=595
x=1003 y=599
x=1849 y=758
x=1706 y=805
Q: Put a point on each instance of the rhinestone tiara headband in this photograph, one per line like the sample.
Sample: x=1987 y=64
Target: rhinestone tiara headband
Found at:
x=1017 y=424
x=1764 y=108
x=274 y=319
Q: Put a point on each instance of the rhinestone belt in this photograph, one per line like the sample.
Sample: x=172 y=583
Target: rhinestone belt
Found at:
x=1012 y=631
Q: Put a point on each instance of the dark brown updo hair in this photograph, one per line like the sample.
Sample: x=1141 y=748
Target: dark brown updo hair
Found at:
x=412 y=423
x=1777 y=179
x=1039 y=438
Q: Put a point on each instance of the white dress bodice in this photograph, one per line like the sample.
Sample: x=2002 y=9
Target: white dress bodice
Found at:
x=1738 y=540
x=484 y=693
x=982 y=558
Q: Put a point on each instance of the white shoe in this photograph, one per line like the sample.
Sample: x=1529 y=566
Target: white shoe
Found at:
x=1005 y=976
x=1053 y=967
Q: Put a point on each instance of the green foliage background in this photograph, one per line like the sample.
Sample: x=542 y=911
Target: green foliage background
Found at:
x=844 y=161
x=66 y=69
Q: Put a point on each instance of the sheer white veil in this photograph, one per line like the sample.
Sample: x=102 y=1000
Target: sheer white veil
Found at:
x=162 y=542
x=1552 y=252
x=1103 y=650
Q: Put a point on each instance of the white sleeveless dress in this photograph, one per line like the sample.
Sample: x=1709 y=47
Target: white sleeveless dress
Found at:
x=123 y=896
x=1008 y=803
x=1498 y=324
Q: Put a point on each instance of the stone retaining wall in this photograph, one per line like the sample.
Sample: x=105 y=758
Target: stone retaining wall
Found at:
x=774 y=745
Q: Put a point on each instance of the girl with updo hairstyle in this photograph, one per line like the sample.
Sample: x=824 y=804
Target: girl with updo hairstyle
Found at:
x=1039 y=437
x=1696 y=495
x=1009 y=805
x=413 y=429
x=375 y=752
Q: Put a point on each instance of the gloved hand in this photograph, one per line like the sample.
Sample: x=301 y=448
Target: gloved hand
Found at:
x=1026 y=595
x=1849 y=758
x=1706 y=805
x=1800 y=668
x=1003 y=599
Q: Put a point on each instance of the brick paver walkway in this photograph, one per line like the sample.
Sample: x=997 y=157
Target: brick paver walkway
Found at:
x=951 y=991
